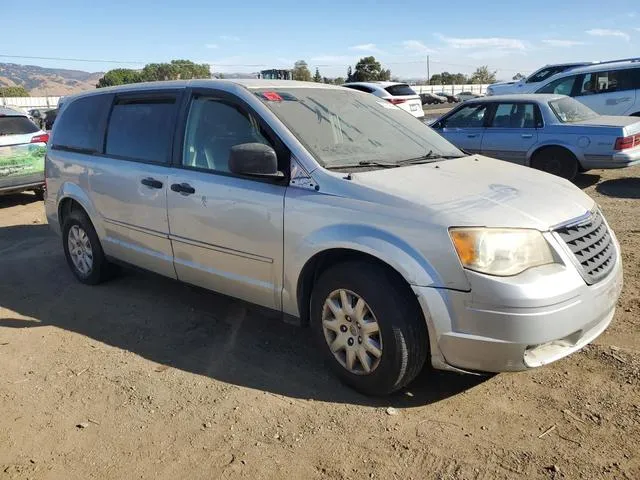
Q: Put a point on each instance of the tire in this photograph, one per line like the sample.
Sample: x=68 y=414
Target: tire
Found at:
x=556 y=161
x=402 y=335
x=78 y=225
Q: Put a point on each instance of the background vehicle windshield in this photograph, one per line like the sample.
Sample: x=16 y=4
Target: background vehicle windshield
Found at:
x=16 y=125
x=343 y=127
x=569 y=110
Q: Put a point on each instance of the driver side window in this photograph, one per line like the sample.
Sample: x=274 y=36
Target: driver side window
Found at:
x=214 y=126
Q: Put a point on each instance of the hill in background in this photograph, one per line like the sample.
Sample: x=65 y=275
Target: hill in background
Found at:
x=40 y=81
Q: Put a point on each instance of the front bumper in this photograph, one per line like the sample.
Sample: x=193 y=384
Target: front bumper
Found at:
x=516 y=323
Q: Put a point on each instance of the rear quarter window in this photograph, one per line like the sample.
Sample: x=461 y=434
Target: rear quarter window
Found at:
x=400 y=90
x=81 y=125
x=16 y=125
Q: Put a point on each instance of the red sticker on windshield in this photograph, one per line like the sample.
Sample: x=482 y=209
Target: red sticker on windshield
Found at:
x=272 y=96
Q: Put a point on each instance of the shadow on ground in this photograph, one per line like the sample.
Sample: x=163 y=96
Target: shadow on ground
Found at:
x=585 y=180
x=181 y=326
x=620 y=187
x=14 y=199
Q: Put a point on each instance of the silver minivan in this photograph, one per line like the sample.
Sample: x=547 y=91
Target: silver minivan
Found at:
x=341 y=211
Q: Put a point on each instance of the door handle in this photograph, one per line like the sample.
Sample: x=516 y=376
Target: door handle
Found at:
x=183 y=188
x=527 y=135
x=151 y=182
x=472 y=135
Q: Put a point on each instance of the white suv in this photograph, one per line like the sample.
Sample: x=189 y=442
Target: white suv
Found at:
x=609 y=88
x=532 y=82
x=399 y=94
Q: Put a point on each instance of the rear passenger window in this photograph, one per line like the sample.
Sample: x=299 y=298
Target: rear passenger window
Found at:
x=81 y=125
x=141 y=129
x=514 y=115
x=605 y=82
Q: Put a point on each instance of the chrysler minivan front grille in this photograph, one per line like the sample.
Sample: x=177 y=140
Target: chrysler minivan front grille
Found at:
x=591 y=243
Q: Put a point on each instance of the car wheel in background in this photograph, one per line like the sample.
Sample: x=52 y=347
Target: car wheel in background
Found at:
x=83 y=250
x=39 y=193
x=368 y=327
x=556 y=161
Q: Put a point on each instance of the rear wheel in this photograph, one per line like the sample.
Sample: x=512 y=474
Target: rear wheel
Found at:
x=83 y=250
x=556 y=161
x=368 y=328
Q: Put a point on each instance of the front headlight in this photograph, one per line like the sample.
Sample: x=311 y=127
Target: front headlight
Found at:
x=500 y=251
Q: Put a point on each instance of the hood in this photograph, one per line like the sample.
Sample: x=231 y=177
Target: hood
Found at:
x=481 y=191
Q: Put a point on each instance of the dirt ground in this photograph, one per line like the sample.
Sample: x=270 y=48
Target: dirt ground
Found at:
x=145 y=378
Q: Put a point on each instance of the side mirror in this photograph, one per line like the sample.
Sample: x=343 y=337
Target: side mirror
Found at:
x=256 y=159
x=437 y=126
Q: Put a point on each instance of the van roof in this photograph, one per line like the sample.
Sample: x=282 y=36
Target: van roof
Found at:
x=250 y=83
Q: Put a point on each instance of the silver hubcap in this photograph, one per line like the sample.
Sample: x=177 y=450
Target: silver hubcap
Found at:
x=352 y=332
x=80 y=250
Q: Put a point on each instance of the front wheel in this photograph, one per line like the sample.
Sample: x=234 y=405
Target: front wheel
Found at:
x=368 y=327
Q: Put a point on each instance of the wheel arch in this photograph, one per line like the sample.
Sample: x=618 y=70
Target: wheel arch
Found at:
x=340 y=243
x=555 y=144
x=71 y=197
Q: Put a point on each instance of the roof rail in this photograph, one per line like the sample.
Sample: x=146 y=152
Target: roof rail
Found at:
x=630 y=59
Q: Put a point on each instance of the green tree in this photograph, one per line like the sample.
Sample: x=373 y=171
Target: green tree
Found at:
x=16 y=91
x=119 y=76
x=317 y=77
x=518 y=76
x=349 y=74
x=338 y=80
x=175 y=70
x=446 y=78
x=483 y=75
x=301 y=71
x=368 y=69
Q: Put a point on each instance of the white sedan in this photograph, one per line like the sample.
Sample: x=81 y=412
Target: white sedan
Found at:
x=399 y=94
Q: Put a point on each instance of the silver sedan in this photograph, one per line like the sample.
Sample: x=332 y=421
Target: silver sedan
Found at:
x=553 y=133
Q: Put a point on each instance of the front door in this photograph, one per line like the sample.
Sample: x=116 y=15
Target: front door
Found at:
x=511 y=132
x=465 y=127
x=226 y=230
x=128 y=183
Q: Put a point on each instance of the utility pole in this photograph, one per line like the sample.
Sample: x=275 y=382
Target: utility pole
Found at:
x=428 y=76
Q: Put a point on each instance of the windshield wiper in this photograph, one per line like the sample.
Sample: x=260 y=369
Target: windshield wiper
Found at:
x=427 y=158
x=362 y=163
x=368 y=163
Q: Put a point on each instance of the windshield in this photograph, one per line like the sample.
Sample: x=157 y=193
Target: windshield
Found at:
x=343 y=127
x=568 y=110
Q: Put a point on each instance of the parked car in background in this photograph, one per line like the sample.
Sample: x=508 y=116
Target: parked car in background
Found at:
x=532 y=82
x=608 y=88
x=429 y=98
x=339 y=210
x=553 y=133
x=464 y=96
x=22 y=150
x=50 y=118
x=451 y=98
x=399 y=94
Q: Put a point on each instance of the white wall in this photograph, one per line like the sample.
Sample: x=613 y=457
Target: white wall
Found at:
x=29 y=102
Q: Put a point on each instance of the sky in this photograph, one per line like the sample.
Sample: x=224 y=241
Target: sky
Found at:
x=251 y=35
